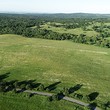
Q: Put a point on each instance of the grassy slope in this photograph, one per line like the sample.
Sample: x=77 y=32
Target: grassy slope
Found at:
x=49 y=61
x=76 y=31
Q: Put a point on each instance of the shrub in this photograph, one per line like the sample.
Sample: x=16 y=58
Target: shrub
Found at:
x=49 y=98
x=66 y=91
x=55 y=97
x=47 y=89
x=29 y=87
x=23 y=86
x=41 y=87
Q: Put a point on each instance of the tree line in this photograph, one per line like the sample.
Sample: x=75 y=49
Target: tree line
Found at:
x=29 y=26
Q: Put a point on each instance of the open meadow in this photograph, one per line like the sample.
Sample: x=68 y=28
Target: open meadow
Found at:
x=76 y=31
x=48 y=62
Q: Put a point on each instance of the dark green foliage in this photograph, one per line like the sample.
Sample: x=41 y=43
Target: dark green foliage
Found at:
x=41 y=87
x=29 y=87
x=23 y=86
x=66 y=91
x=79 y=96
x=86 y=108
x=49 y=98
x=14 y=90
x=92 y=96
x=47 y=89
x=106 y=106
x=55 y=97
x=2 y=86
x=16 y=84
x=28 y=32
x=30 y=95
x=92 y=105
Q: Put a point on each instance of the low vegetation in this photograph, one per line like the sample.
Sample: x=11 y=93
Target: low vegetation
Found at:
x=46 y=62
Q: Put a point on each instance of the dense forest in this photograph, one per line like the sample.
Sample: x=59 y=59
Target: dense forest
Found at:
x=30 y=25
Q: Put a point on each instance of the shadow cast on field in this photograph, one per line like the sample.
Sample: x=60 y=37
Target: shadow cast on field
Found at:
x=60 y=96
x=52 y=86
x=4 y=76
x=92 y=96
x=29 y=82
x=15 y=84
x=75 y=88
x=92 y=106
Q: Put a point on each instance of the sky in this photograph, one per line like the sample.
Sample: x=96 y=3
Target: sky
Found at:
x=56 y=6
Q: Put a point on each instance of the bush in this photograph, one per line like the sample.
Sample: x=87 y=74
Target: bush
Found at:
x=49 y=98
x=47 y=89
x=66 y=91
x=41 y=87
x=15 y=84
x=23 y=86
x=55 y=97
x=2 y=88
x=29 y=87
x=86 y=108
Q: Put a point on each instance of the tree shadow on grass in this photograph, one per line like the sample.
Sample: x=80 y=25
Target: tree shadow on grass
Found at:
x=60 y=96
x=28 y=84
x=3 y=76
x=52 y=86
x=17 y=86
x=92 y=106
x=31 y=95
x=75 y=88
x=92 y=96
x=10 y=85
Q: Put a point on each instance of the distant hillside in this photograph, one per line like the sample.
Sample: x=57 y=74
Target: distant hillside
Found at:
x=61 y=15
x=75 y=15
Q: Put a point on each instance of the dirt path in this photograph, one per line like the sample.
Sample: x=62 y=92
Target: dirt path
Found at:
x=39 y=93
x=64 y=98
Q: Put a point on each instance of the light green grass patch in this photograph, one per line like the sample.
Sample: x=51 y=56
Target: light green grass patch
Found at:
x=76 y=31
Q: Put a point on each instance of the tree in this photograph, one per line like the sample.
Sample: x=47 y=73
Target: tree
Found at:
x=2 y=88
x=23 y=86
x=107 y=105
x=29 y=86
x=49 y=98
x=16 y=84
x=66 y=91
x=55 y=97
x=41 y=87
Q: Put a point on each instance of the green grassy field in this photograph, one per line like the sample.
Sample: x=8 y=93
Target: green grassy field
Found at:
x=76 y=31
x=12 y=101
x=49 y=61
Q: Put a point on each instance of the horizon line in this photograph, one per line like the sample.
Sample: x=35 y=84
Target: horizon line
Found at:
x=17 y=12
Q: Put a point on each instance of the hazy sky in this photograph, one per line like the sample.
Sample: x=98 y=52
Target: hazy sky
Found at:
x=55 y=6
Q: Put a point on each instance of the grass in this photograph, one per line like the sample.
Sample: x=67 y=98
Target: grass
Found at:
x=12 y=101
x=108 y=38
x=108 y=24
x=49 y=61
x=76 y=31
